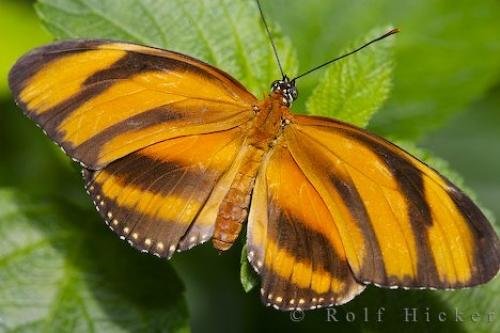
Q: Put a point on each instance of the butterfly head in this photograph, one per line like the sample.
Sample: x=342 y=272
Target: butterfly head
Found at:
x=286 y=88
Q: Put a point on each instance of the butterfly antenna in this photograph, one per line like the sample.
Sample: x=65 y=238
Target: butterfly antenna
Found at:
x=270 y=38
x=387 y=34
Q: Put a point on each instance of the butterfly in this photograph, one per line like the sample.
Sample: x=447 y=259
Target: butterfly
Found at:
x=176 y=152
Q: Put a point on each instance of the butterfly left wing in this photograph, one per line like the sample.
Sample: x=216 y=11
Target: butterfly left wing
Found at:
x=293 y=241
x=101 y=100
x=165 y=197
x=401 y=223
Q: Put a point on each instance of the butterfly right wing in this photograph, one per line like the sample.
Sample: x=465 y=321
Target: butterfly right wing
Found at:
x=335 y=208
x=402 y=223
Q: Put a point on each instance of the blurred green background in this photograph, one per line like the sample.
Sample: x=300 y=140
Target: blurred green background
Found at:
x=445 y=98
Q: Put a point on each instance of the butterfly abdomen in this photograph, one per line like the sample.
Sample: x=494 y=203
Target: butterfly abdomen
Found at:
x=233 y=210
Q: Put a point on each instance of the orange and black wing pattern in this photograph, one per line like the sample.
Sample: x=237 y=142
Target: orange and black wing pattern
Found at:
x=163 y=137
x=401 y=223
x=157 y=133
x=294 y=242
x=102 y=100
x=335 y=208
x=159 y=198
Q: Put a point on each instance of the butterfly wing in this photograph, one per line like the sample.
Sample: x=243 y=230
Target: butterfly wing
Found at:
x=102 y=100
x=400 y=222
x=165 y=197
x=293 y=241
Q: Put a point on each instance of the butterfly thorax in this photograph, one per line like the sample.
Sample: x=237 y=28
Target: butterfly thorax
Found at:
x=271 y=117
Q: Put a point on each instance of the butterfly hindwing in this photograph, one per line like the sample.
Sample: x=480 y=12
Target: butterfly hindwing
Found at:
x=293 y=241
x=102 y=100
x=156 y=197
x=401 y=223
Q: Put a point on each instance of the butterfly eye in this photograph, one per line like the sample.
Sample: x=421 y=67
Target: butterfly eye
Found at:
x=275 y=85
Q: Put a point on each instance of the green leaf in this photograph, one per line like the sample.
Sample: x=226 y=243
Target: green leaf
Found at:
x=482 y=300
x=446 y=55
x=227 y=34
x=21 y=30
x=356 y=87
x=25 y=149
x=467 y=142
x=61 y=271
x=248 y=277
x=456 y=308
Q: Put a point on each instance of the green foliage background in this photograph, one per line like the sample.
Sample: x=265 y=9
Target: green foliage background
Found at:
x=435 y=86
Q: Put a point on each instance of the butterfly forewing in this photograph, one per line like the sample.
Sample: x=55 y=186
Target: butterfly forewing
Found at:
x=103 y=100
x=401 y=223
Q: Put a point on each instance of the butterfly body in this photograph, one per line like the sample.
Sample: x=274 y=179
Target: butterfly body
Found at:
x=264 y=131
x=176 y=152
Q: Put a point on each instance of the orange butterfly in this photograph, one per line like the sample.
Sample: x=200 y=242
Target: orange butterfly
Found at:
x=176 y=152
